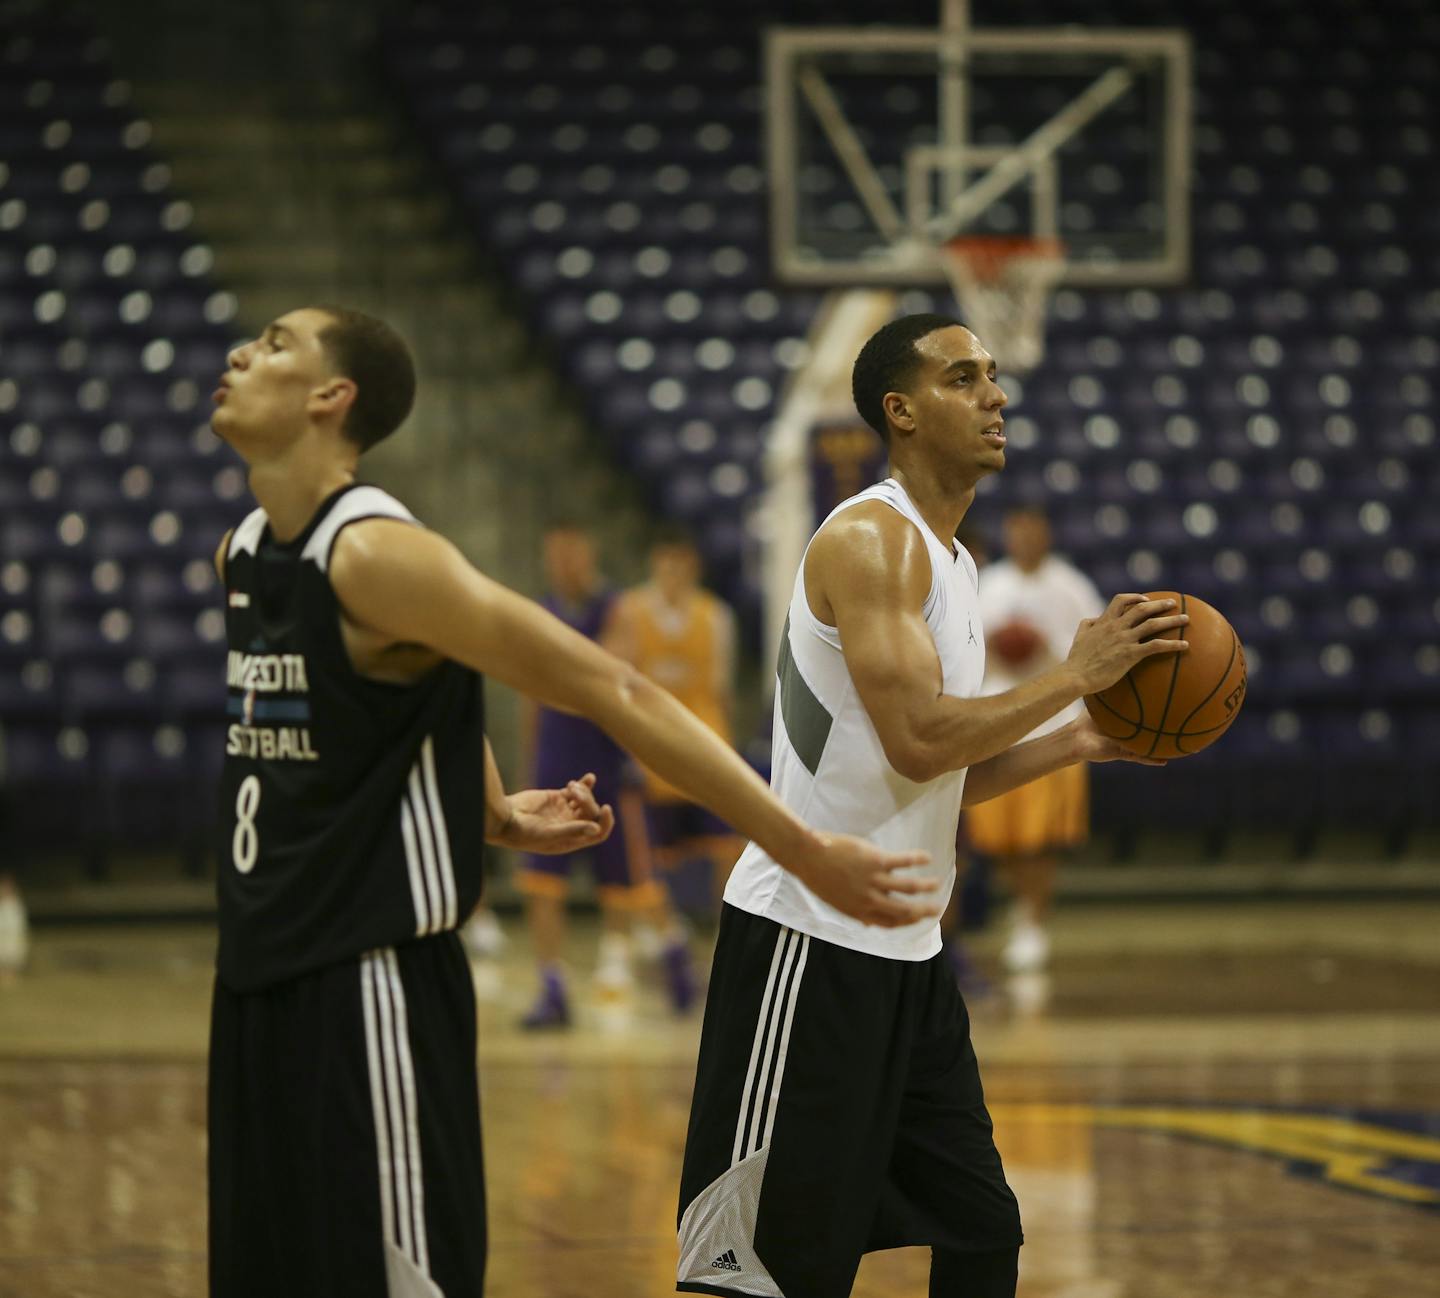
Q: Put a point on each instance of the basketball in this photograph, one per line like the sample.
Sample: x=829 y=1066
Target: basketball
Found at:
x=1174 y=705
x=1014 y=642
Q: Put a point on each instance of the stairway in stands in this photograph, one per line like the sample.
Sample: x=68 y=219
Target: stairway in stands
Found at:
x=309 y=186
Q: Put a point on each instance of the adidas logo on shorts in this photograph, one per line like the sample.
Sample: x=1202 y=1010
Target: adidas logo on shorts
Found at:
x=726 y=1261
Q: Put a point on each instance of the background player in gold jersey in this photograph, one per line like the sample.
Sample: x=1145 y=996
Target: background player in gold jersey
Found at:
x=682 y=637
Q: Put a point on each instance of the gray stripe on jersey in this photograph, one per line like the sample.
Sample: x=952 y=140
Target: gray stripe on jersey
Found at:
x=807 y=724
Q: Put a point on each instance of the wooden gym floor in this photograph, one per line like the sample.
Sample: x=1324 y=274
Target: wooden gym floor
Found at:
x=1200 y=1101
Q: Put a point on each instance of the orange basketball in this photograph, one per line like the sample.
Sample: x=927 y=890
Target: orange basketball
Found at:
x=1173 y=705
x=1014 y=642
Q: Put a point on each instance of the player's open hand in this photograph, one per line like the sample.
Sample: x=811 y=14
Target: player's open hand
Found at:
x=553 y=822
x=1108 y=646
x=1092 y=746
x=871 y=885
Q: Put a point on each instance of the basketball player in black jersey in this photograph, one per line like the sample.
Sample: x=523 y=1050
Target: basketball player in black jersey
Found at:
x=357 y=794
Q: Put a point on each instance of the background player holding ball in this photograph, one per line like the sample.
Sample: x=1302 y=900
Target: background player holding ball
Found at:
x=1031 y=601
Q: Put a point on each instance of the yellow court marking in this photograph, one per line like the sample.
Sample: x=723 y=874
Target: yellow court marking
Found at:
x=1348 y=1152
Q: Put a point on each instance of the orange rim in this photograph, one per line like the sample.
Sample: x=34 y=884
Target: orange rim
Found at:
x=988 y=255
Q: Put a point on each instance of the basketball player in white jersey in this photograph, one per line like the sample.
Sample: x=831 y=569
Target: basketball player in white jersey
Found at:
x=837 y=1106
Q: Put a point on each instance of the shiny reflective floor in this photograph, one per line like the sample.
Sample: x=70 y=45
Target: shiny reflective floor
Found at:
x=1197 y=1102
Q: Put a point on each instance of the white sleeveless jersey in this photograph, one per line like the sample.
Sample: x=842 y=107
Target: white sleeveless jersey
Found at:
x=828 y=765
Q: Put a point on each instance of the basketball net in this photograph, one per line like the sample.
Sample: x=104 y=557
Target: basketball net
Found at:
x=1003 y=285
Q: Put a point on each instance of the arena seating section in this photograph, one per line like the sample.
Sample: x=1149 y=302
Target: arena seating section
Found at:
x=1264 y=438
x=113 y=491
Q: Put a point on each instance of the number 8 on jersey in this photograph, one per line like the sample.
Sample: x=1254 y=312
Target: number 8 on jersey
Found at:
x=245 y=843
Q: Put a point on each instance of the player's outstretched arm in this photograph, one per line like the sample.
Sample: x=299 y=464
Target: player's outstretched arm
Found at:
x=868 y=574
x=414 y=587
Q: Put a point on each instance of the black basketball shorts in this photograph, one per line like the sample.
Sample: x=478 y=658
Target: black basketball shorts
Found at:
x=838 y=1110
x=345 y=1132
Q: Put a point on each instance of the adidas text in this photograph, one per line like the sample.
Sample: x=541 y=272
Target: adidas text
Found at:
x=726 y=1261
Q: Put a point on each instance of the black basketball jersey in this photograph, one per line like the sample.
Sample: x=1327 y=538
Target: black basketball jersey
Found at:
x=352 y=812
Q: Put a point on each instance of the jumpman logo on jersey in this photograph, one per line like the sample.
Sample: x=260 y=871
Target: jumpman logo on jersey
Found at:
x=969 y=622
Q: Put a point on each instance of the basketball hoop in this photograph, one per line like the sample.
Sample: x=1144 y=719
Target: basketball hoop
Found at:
x=1003 y=283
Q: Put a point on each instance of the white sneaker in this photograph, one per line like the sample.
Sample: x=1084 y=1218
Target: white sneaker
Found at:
x=14 y=934
x=1029 y=993
x=484 y=938
x=613 y=978
x=648 y=942
x=1027 y=950
x=613 y=982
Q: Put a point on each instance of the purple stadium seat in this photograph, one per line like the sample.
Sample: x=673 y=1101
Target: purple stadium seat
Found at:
x=1265 y=432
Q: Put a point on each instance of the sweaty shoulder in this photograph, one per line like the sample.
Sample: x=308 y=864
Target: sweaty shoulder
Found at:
x=394 y=578
x=867 y=553
x=365 y=545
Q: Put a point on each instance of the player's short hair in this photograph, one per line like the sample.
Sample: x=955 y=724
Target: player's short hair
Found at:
x=888 y=361
x=370 y=352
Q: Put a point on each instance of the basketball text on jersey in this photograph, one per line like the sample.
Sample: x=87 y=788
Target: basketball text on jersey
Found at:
x=266 y=673
x=270 y=674
x=271 y=744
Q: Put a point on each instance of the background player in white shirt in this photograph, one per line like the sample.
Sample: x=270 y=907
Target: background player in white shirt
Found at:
x=1031 y=601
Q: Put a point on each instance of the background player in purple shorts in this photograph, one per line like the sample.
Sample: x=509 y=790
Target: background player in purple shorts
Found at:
x=558 y=742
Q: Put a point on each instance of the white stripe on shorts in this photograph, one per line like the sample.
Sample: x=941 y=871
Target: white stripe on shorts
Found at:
x=377 y=1097
x=761 y=1095
x=394 y=1107
x=785 y=1039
